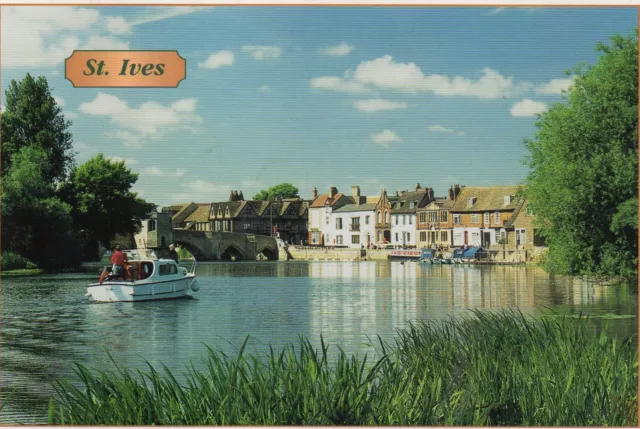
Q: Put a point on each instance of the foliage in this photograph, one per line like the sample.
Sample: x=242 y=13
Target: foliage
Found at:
x=103 y=205
x=35 y=224
x=13 y=261
x=32 y=118
x=283 y=190
x=489 y=369
x=584 y=168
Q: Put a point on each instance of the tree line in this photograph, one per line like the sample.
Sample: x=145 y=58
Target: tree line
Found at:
x=55 y=213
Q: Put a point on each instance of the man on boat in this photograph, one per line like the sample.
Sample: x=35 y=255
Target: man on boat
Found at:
x=118 y=259
x=173 y=254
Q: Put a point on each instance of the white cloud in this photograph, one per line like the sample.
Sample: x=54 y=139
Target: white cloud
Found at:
x=217 y=60
x=554 y=86
x=441 y=129
x=385 y=138
x=45 y=36
x=70 y=115
x=59 y=101
x=150 y=120
x=339 y=50
x=527 y=108
x=155 y=171
x=264 y=88
x=262 y=52
x=55 y=73
x=201 y=191
x=338 y=84
x=375 y=105
x=387 y=74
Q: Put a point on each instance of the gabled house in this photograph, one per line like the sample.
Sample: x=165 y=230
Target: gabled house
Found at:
x=184 y=211
x=403 y=215
x=320 y=211
x=480 y=213
x=382 y=214
x=435 y=223
x=522 y=233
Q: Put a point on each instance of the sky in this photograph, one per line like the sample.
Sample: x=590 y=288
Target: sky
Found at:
x=380 y=97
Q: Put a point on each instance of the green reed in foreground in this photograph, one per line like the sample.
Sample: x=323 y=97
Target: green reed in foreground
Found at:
x=487 y=369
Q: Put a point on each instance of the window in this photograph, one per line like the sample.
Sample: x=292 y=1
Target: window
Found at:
x=496 y=218
x=339 y=223
x=327 y=220
x=507 y=199
x=339 y=239
x=404 y=219
x=167 y=269
x=529 y=211
x=444 y=216
x=388 y=217
x=411 y=205
x=456 y=219
x=521 y=236
x=408 y=237
x=487 y=218
x=379 y=218
x=152 y=225
x=355 y=220
x=475 y=218
x=396 y=236
x=366 y=220
x=410 y=220
x=471 y=201
x=355 y=239
x=397 y=220
x=423 y=235
x=423 y=217
x=444 y=236
x=433 y=216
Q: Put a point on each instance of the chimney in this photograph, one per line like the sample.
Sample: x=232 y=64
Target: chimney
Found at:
x=418 y=187
x=314 y=193
x=454 y=191
x=240 y=196
x=355 y=193
x=430 y=196
x=231 y=195
x=332 y=191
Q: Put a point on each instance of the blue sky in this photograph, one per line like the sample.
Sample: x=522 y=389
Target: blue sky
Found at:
x=315 y=96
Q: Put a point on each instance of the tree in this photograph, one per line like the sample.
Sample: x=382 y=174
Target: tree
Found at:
x=583 y=182
x=283 y=190
x=33 y=118
x=103 y=205
x=35 y=223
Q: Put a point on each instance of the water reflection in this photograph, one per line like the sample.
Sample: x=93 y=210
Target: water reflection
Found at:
x=47 y=323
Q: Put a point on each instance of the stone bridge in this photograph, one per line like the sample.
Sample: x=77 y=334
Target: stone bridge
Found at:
x=157 y=234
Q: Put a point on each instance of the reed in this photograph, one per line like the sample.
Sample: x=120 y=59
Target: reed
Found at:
x=484 y=369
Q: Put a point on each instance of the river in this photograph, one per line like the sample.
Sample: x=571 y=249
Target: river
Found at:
x=47 y=324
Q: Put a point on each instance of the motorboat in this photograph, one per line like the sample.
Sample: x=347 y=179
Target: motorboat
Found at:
x=146 y=278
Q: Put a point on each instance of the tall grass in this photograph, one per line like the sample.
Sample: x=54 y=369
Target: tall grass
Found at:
x=484 y=369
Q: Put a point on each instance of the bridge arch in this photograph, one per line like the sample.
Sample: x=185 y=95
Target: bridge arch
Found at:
x=195 y=250
x=270 y=253
x=230 y=252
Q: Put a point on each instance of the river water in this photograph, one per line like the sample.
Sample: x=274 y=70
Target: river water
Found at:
x=47 y=324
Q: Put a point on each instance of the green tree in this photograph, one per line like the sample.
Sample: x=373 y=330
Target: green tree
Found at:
x=103 y=205
x=283 y=190
x=33 y=118
x=583 y=182
x=36 y=224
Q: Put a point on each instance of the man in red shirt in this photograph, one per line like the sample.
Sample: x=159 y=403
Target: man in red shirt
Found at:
x=118 y=259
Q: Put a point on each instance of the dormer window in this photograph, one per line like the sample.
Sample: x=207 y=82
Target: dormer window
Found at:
x=507 y=200
x=471 y=201
x=412 y=204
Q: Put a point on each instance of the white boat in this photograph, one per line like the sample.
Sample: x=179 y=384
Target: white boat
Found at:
x=148 y=279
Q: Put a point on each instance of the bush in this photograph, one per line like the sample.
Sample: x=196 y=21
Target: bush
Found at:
x=13 y=261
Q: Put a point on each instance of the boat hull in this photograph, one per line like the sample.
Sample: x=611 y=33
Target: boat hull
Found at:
x=125 y=291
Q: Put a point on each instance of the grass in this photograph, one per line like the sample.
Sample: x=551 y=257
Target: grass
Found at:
x=22 y=272
x=484 y=369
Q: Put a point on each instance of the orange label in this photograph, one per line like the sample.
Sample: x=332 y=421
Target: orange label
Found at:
x=125 y=69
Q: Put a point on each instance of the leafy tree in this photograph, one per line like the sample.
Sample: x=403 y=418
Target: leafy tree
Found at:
x=283 y=190
x=103 y=205
x=33 y=118
x=583 y=183
x=36 y=224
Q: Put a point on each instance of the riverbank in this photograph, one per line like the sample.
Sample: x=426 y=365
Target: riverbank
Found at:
x=22 y=272
x=487 y=369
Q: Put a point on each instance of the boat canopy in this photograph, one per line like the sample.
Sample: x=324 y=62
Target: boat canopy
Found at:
x=470 y=253
x=428 y=254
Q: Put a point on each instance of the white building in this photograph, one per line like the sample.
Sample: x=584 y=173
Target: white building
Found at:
x=353 y=225
x=403 y=215
x=321 y=209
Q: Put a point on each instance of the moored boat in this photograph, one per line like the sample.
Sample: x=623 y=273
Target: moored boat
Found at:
x=147 y=278
x=404 y=254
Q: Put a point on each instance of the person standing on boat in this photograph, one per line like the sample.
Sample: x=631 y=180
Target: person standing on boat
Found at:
x=173 y=254
x=118 y=259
